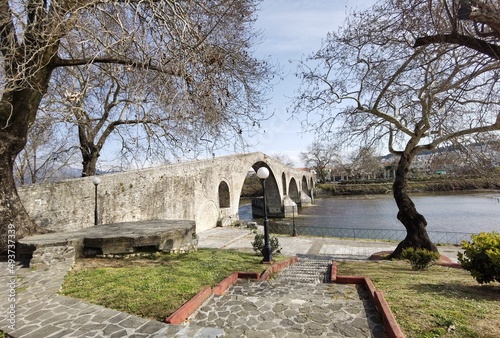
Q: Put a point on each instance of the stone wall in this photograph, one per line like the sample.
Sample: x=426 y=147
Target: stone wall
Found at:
x=183 y=191
x=131 y=196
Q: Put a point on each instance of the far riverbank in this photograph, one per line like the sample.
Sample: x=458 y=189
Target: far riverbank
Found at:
x=433 y=185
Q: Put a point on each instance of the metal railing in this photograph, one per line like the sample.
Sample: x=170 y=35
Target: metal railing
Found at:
x=441 y=237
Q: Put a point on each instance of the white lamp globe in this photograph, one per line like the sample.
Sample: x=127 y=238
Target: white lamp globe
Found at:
x=96 y=180
x=263 y=173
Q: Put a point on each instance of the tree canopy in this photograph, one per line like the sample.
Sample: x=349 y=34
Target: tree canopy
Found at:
x=369 y=84
x=320 y=156
x=474 y=24
x=188 y=64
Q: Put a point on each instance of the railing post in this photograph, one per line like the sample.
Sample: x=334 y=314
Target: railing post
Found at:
x=294 y=230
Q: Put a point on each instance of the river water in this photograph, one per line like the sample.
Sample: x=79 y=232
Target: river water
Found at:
x=444 y=212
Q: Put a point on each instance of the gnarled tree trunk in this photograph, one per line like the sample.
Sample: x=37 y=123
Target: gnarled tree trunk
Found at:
x=413 y=221
x=18 y=110
x=15 y=222
x=90 y=154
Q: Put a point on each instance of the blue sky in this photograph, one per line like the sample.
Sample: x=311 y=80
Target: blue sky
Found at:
x=291 y=30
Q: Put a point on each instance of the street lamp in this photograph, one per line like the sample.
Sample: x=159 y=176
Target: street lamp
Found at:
x=96 y=180
x=294 y=229
x=262 y=174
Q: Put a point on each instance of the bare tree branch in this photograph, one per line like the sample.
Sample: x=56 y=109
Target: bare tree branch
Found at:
x=477 y=44
x=369 y=84
x=196 y=52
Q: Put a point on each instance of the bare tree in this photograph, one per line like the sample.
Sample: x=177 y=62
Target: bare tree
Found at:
x=212 y=105
x=369 y=83
x=47 y=153
x=365 y=163
x=180 y=43
x=319 y=156
x=284 y=159
x=474 y=24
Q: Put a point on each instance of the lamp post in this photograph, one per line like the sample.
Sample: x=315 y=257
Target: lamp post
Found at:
x=294 y=229
x=96 y=180
x=262 y=174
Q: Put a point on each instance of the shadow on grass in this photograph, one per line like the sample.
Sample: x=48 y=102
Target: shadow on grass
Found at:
x=490 y=292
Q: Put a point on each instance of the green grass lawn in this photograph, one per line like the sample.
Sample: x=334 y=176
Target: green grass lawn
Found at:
x=156 y=286
x=439 y=302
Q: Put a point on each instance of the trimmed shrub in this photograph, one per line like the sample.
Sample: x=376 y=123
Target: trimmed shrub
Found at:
x=481 y=257
x=420 y=259
x=258 y=243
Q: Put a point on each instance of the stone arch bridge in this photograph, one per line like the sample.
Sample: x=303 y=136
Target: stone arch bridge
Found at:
x=206 y=192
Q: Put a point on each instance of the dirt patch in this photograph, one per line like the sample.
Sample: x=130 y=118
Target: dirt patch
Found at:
x=489 y=326
x=83 y=264
x=382 y=255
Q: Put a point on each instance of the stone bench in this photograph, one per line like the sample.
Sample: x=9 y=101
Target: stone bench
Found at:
x=117 y=239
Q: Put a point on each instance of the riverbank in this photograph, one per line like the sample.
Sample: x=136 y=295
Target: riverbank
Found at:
x=444 y=184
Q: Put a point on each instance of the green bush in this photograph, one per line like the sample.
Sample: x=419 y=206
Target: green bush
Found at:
x=482 y=257
x=420 y=259
x=258 y=243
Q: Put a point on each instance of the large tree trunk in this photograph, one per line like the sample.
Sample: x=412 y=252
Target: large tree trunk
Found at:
x=17 y=114
x=414 y=222
x=89 y=163
x=14 y=220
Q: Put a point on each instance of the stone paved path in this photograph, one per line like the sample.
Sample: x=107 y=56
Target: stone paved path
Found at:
x=296 y=304
x=41 y=312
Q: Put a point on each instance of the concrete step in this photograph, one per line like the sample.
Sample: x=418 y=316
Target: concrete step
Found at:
x=306 y=271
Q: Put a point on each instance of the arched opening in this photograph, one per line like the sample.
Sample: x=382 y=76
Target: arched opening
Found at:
x=294 y=191
x=273 y=197
x=224 y=195
x=306 y=193
x=283 y=182
x=305 y=185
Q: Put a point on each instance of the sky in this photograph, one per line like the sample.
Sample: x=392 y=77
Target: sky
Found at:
x=291 y=30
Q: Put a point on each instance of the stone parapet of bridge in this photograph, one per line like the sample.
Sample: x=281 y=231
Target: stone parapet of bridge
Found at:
x=205 y=191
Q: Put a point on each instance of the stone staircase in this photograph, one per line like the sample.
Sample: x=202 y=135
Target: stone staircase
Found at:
x=311 y=271
x=297 y=302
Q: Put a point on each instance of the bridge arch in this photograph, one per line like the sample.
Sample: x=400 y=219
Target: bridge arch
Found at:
x=311 y=187
x=273 y=193
x=305 y=185
x=207 y=192
x=224 y=195
x=294 y=191
x=306 y=193
x=283 y=182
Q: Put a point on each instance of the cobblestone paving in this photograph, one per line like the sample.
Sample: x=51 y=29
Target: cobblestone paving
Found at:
x=296 y=304
x=41 y=313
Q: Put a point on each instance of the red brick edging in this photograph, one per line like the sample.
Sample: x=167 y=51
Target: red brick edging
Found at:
x=391 y=326
x=181 y=314
x=277 y=267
